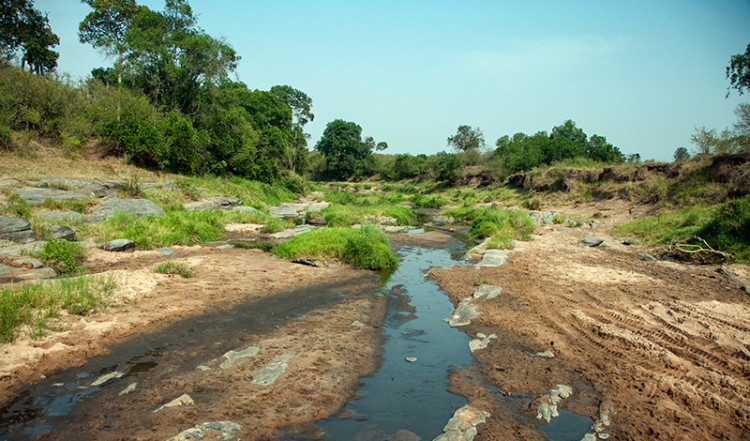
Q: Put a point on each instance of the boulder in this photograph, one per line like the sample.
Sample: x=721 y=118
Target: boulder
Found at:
x=493 y=258
x=137 y=207
x=60 y=232
x=118 y=245
x=218 y=203
x=38 y=274
x=15 y=229
x=591 y=241
x=246 y=209
x=8 y=182
x=35 y=196
x=463 y=314
x=96 y=190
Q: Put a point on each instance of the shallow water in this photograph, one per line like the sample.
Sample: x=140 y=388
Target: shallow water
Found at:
x=406 y=395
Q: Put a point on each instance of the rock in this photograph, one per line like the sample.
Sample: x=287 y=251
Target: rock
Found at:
x=232 y=356
x=288 y=234
x=488 y=291
x=272 y=371
x=630 y=241
x=137 y=207
x=493 y=258
x=286 y=210
x=306 y=261
x=71 y=216
x=590 y=241
x=462 y=426
x=8 y=182
x=463 y=314
x=226 y=246
x=481 y=342
x=29 y=262
x=118 y=245
x=5 y=269
x=547 y=353
x=129 y=389
x=106 y=377
x=59 y=232
x=548 y=409
x=411 y=359
x=96 y=190
x=218 y=203
x=17 y=250
x=15 y=229
x=35 y=196
x=404 y=435
x=317 y=219
x=182 y=400
x=647 y=257
x=214 y=430
x=246 y=209
x=38 y=274
x=167 y=251
x=316 y=206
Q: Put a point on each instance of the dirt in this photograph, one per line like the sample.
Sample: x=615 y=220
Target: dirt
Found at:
x=664 y=346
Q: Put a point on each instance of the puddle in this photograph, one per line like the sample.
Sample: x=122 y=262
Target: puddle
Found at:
x=567 y=427
x=408 y=395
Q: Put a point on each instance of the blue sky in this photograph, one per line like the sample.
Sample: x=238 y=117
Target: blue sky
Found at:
x=641 y=73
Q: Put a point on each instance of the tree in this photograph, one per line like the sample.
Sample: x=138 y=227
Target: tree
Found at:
x=466 y=138
x=742 y=127
x=300 y=105
x=343 y=148
x=23 y=27
x=681 y=154
x=738 y=72
x=106 y=26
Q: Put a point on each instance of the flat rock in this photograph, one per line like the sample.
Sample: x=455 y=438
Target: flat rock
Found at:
x=182 y=400
x=17 y=250
x=8 y=182
x=288 y=234
x=5 y=269
x=30 y=262
x=246 y=209
x=488 y=291
x=60 y=232
x=38 y=274
x=463 y=314
x=96 y=190
x=35 y=196
x=231 y=357
x=463 y=425
x=167 y=251
x=118 y=245
x=71 y=216
x=591 y=241
x=137 y=207
x=272 y=371
x=12 y=224
x=287 y=210
x=481 y=342
x=493 y=258
x=225 y=430
x=213 y=204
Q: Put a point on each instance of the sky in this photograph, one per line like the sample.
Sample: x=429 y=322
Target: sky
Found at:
x=644 y=74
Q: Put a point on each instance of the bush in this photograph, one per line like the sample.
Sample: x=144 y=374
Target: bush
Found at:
x=729 y=228
x=365 y=248
x=65 y=257
x=502 y=225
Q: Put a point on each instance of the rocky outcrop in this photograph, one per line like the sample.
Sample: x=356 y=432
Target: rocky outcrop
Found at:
x=216 y=204
x=36 y=196
x=137 y=207
x=15 y=229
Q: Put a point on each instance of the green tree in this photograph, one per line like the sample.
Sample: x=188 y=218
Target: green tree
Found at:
x=447 y=167
x=738 y=72
x=301 y=106
x=23 y=27
x=106 y=26
x=681 y=154
x=344 y=150
x=742 y=127
x=466 y=139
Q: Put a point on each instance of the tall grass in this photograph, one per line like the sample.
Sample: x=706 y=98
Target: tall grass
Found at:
x=365 y=248
x=502 y=225
x=33 y=304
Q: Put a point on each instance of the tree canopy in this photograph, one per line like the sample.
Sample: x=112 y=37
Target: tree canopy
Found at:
x=466 y=139
x=26 y=29
x=343 y=149
x=738 y=71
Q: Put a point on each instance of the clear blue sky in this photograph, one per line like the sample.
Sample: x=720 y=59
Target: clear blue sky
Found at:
x=641 y=73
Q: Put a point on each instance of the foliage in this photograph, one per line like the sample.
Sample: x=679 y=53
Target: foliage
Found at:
x=65 y=257
x=344 y=151
x=738 y=72
x=665 y=227
x=251 y=245
x=681 y=154
x=729 y=228
x=170 y=267
x=446 y=167
x=522 y=152
x=33 y=304
x=25 y=28
x=365 y=248
x=466 y=139
x=501 y=224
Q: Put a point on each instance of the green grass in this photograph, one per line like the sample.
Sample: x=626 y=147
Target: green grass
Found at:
x=65 y=257
x=338 y=215
x=180 y=269
x=502 y=225
x=33 y=304
x=365 y=248
x=663 y=228
x=251 y=244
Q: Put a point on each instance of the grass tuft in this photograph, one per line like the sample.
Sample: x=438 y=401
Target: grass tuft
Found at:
x=64 y=256
x=180 y=269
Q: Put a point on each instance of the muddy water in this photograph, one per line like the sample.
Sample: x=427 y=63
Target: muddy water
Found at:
x=409 y=395
x=72 y=399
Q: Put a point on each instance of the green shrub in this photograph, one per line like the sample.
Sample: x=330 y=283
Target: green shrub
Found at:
x=502 y=225
x=65 y=257
x=33 y=304
x=729 y=228
x=535 y=204
x=251 y=244
x=180 y=269
x=365 y=248
x=559 y=218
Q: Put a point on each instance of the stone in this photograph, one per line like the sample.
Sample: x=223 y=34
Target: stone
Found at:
x=306 y=261
x=316 y=206
x=8 y=182
x=272 y=371
x=167 y=251
x=440 y=220
x=246 y=209
x=129 y=389
x=404 y=435
x=462 y=426
x=35 y=196
x=13 y=224
x=213 y=430
x=411 y=359
x=493 y=258
x=5 y=269
x=488 y=291
x=106 y=377
x=137 y=207
x=95 y=190
x=38 y=274
x=232 y=356
x=17 y=250
x=71 y=216
x=481 y=342
x=629 y=241
x=182 y=400
x=647 y=257
x=547 y=353
x=463 y=314
x=212 y=204
x=286 y=210
x=118 y=245
x=591 y=241
x=292 y=232
x=226 y=246
x=59 y=232
x=29 y=262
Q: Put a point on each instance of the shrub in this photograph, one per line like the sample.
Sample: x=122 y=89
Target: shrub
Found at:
x=533 y=204
x=65 y=257
x=729 y=228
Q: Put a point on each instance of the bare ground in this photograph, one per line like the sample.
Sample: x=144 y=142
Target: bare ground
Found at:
x=664 y=346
